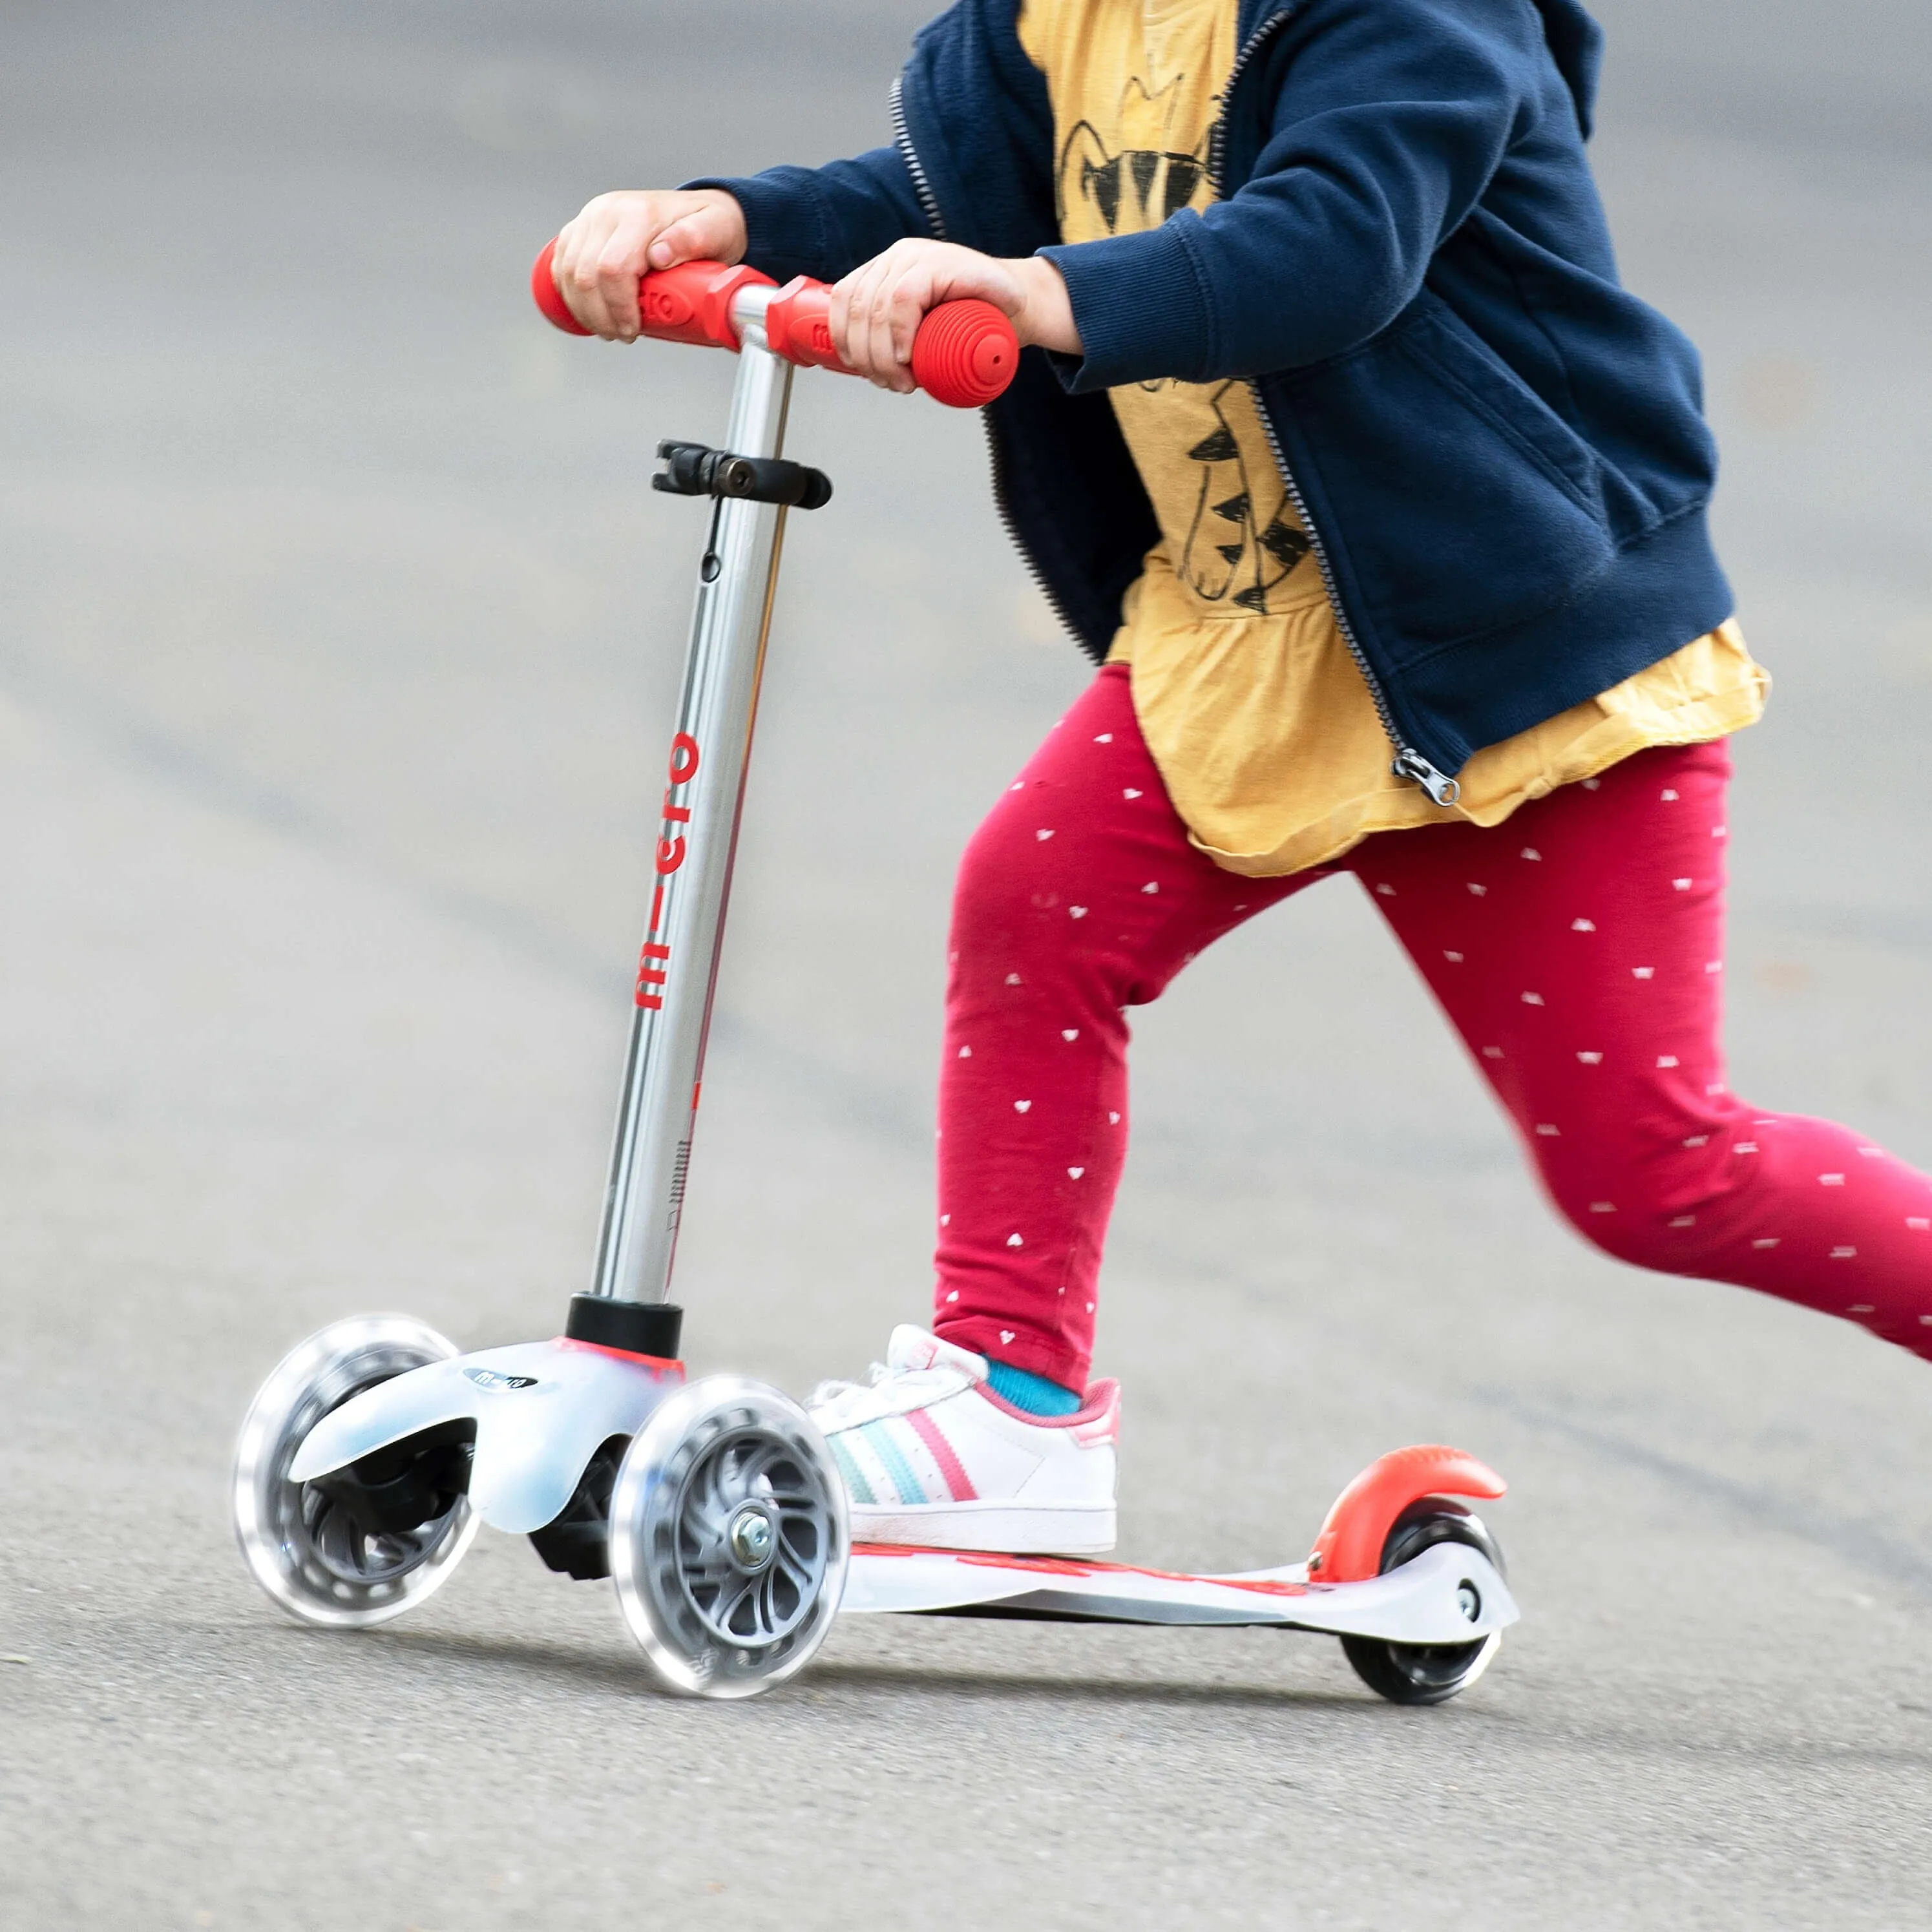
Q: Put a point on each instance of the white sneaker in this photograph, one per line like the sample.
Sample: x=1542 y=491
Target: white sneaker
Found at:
x=930 y=1456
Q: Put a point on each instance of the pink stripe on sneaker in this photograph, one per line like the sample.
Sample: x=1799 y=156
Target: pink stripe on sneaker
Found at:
x=950 y=1466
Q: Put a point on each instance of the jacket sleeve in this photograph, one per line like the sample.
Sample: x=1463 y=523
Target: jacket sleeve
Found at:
x=1393 y=117
x=824 y=221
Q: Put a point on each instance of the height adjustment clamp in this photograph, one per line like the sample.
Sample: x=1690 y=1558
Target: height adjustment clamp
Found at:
x=695 y=469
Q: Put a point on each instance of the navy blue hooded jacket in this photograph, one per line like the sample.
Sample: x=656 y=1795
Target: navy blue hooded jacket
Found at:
x=1501 y=453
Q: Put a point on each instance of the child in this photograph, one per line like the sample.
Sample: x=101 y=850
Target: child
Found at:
x=1383 y=506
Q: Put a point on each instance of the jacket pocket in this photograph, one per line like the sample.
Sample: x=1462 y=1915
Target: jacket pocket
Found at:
x=1454 y=501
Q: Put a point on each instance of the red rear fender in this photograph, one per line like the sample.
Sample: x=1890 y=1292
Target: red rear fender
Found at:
x=1350 y=1545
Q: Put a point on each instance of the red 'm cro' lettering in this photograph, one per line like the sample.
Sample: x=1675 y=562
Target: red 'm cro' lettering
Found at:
x=671 y=853
x=649 y=975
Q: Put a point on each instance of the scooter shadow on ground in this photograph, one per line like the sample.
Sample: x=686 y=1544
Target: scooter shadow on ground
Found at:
x=617 y=1671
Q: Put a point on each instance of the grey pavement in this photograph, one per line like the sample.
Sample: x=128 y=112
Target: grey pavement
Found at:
x=338 y=637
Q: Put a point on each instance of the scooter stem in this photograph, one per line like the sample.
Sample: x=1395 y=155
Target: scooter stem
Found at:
x=698 y=838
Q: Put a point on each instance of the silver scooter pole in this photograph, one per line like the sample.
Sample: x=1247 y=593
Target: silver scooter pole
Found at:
x=964 y=354
x=697 y=839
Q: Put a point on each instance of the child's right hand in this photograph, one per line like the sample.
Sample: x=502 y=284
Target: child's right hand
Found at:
x=602 y=255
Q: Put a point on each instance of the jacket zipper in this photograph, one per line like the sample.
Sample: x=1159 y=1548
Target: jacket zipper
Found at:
x=1408 y=763
x=902 y=140
x=996 y=461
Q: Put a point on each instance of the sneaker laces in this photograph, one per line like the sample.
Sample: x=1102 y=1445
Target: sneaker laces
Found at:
x=835 y=1402
x=834 y=1388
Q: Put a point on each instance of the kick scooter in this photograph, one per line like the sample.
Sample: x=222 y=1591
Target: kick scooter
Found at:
x=374 y=1451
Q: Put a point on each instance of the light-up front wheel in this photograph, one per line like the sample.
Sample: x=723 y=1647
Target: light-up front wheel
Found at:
x=728 y=1538
x=371 y=1542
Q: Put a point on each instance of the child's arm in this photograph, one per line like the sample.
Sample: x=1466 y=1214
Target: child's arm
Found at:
x=1392 y=119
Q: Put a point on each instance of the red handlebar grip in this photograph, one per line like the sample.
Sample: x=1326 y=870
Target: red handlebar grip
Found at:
x=798 y=325
x=964 y=354
x=690 y=303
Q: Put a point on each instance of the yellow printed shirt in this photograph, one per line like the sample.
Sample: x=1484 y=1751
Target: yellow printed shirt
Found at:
x=1253 y=707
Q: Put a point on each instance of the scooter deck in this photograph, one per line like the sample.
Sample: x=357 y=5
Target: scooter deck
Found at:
x=1450 y=1594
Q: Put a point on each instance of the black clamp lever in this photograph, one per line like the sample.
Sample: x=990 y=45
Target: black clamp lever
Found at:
x=695 y=470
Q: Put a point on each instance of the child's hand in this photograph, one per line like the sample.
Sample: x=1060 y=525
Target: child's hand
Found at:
x=602 y=255
x=876 y=310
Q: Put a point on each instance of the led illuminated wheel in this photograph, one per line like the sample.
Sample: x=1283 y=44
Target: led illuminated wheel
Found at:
x=728 y=1538
x=340 y=1554
x=1429 y=1673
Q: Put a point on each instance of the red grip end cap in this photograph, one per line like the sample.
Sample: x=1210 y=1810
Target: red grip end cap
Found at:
x=965 y=354
x=543 y=286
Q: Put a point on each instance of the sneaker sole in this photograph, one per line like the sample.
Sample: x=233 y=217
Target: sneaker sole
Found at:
x=1004 y=1529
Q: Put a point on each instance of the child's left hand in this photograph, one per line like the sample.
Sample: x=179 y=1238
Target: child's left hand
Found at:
x=876 y=310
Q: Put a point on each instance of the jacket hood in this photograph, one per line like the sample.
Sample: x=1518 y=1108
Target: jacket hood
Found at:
x=1577 y=42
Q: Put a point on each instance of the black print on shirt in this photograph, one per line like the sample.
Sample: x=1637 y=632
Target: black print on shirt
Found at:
x=1230 y=555
x=1162 y=183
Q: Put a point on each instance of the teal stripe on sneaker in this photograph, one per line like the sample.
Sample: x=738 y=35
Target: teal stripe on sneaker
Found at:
x=879 y=1439
x=857 y=1487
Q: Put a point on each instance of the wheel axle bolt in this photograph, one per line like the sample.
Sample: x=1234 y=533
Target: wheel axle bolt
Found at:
x=751 y=1539
x=1469 y=1601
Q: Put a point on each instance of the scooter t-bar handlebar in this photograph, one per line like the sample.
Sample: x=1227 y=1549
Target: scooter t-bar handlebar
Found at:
x=964 y=354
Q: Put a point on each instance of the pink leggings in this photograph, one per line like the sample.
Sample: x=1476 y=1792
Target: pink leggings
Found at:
x=1577 y=948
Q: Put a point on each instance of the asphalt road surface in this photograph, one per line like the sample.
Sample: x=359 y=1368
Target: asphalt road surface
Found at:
x=338 y=637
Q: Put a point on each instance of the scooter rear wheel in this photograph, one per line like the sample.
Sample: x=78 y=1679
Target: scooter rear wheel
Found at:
x=1427 y=1673
x=728 y=1538
x=301 y=1543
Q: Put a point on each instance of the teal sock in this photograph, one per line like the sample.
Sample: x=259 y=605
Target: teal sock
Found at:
x=1034 y=1393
